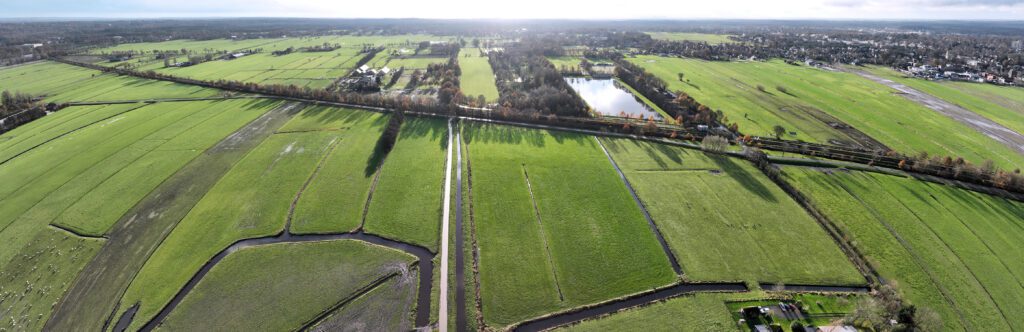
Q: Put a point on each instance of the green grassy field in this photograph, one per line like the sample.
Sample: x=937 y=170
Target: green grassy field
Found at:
x=87 y=180
x=385 y=308
x=685 y=191
x=30 y=135
x=406 y=204
x=31 y=283
x=334 y=201
x=269 y=44
x=477 y=77
x=870 y=107
x=590 y=244
x=950 y=250
x=304 y=69
x=565 y=62
x=251 y=200
x=1002 y=104
x=282 y=286
x=698 y=312
x=691 y=36
x=63 y=83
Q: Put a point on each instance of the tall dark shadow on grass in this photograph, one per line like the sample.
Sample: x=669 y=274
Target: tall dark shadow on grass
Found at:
x=741 y=175
x=385 y=143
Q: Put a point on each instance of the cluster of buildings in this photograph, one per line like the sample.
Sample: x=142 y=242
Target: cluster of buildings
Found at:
x=365 y=79
x=960 y=74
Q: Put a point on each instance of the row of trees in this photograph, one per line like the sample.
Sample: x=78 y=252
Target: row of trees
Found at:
x=959 y=169
x=18 y=108
x=683 y=108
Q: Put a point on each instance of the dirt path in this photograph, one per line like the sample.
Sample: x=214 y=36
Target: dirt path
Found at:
x=95 y=293
x=1005 y=136
x=650 y=221
x=442 y=315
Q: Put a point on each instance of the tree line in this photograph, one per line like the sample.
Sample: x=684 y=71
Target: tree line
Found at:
x=528 y=82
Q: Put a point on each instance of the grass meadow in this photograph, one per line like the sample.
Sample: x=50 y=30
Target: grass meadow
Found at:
x=334 y=200
x=590 y=244
x=947 y=249
x=236 y=294
x=685 y=191
x=477 y=77
x=86 y=180
x=58 y=82
x=406 y=204
x=251 y=200
x=712 y=39
x=870 y=107
x=1002 y=104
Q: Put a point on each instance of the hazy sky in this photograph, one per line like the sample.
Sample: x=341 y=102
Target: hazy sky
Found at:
x=573 y=9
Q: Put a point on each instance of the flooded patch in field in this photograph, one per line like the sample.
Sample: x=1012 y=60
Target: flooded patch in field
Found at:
x=606 y=97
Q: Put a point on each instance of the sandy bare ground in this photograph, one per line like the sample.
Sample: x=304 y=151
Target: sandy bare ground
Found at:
x=1005 y=136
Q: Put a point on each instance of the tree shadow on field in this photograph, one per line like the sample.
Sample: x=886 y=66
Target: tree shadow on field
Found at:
x=503 y=134
x=412 y=127
x=657 y=152
x=345 y=117
x=741 y=175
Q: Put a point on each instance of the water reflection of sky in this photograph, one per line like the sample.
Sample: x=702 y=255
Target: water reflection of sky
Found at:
x=608 y=99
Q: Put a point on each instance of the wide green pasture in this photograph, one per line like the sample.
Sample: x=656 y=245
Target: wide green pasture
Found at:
x=32 y=282
x=406 y=204
x=477 y=76
x=954 y=251
x=1002 y=104
x=696 y=313
x=872 y=108
x=283 y=286
x=334 y=200
x=762 y=236
x=269 y=44
x=86 y=180
x=387 y=307
x=709 y=38
x=251 y=200
x=576 y=234
x=59 y=82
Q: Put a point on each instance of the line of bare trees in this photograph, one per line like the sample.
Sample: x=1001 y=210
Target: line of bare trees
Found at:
x=18 y=108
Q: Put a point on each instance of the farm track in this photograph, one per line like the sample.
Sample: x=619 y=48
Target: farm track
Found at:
x=643 y=208
x=141 y=230
x=424 y=266
x=998 y=132
x=555 y=320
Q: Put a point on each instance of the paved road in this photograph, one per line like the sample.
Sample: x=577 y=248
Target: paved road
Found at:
x=442 y=315
x=1006 y=136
